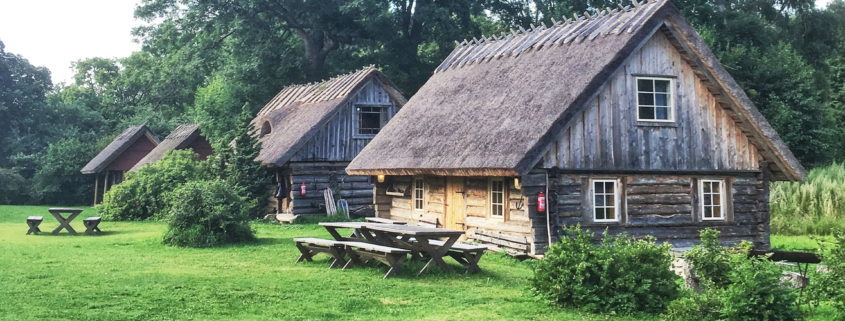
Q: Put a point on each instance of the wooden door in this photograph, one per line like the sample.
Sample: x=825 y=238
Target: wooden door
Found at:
x=454 y=203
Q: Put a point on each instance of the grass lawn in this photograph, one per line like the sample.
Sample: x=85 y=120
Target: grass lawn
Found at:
x=127 y=274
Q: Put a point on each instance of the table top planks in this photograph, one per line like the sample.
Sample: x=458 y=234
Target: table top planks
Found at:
x=397 y=229
x=64 y=210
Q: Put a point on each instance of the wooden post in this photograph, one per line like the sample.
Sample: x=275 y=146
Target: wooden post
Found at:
x=105 y=184
x=96 y=187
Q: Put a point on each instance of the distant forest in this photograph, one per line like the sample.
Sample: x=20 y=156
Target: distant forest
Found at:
x=203 y=61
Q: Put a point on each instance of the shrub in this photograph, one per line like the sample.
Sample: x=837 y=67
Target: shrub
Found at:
x=144 y=194
x=205 y=214
x=619 y=275
x=831 y=285
x=734 y=286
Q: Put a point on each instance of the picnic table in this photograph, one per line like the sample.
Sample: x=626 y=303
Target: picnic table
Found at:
x=423 y=242
x=64 y=223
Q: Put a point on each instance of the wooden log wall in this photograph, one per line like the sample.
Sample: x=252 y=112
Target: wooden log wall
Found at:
x=338 y=141
x=667 y=207
x=317 y=176
x=516 y=224
x=608 y=136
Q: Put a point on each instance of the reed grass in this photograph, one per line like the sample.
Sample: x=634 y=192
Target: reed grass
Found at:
x=812 y=207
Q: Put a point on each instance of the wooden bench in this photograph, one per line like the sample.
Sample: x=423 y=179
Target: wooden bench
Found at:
x=33 y=222
x=309 y=247
x=385 y=221
x=360 y=252
x=91 y=224
x=467 y=255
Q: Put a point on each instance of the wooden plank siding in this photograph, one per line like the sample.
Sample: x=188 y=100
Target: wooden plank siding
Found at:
x=667 y=207
x=608 y=136
x=317 y=176
x=338 y=140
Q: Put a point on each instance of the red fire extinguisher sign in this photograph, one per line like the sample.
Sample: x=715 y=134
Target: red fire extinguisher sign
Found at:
x=302 y=189
x=541 y=202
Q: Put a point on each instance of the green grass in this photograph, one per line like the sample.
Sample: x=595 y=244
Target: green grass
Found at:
x=815 y=206
x=127 y=274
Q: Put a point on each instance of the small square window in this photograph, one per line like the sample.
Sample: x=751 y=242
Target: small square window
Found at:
x=654 y=100
x=605 y=201
x=371 y=119
x=712 y=205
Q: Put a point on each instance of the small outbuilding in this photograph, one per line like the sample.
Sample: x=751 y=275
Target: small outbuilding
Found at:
x=310 y=133
x=186 y=136
x=622 y=120
x=126 y=150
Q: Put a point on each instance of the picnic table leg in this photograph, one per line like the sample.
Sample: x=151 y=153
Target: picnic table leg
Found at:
x=33 y=227
x=334 y=233
x=436 y=253
x=337 y=254
x=354 y=259
x=306 y=254
x=64 y=223
x=395 y=263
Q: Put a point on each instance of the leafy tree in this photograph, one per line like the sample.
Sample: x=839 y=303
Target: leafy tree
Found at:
x=242 y=171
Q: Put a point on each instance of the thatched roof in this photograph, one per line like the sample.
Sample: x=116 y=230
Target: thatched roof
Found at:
x=495 y=105
x=178 y=139
x=298 y=112
x=118 y=146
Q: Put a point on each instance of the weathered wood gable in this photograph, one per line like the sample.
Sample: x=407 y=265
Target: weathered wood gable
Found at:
x=338 y=140
x=607 y=134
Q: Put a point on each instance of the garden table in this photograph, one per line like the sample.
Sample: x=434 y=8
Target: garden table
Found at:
x=414 y=238
x=64 y=223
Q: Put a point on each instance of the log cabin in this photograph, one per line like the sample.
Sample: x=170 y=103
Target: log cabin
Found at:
x=309 y=134
x=126 y=150
x=185 y=136
x=622 y=120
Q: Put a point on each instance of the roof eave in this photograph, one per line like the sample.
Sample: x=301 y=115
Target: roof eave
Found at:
x=505 y=172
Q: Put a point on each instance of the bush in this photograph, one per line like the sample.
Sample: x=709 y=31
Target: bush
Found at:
x=205 y=214
x=734 y=286
x=144 y=194
x=620 y=275
x=831 y=285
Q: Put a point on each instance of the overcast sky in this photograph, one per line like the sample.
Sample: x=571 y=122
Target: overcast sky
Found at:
x=54 y=33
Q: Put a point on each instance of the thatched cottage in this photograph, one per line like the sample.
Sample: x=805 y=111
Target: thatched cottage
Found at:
x=309 y=133
x=126 y=150
x=185 y=136
x=623 y=120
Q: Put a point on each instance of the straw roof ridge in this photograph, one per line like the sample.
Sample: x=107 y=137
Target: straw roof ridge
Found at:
x=588 y=26
x=298 y=112
x=120 y=143
x=179 y=138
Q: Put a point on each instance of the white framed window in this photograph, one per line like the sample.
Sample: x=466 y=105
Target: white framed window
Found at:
x=655 y=101
x=497 y=197
x=605 y=195
x=370 y=119
x=712 y=200
x=419 y=194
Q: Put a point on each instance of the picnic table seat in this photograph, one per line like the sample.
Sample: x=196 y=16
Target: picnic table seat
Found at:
x=33 y=222
x=91 y=224
x=310 y=246
x=360 y=252
x=466 y=254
